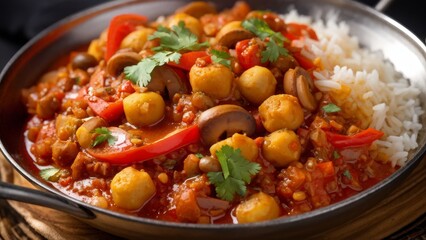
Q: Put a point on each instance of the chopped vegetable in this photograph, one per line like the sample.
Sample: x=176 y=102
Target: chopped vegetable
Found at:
x=331 y=108
x=364 y=138
x=347 y=174
x=221 y=57
x=119 y=27
x=125 y=153
x=275 y=40
x=236 y=173
x=187 y=60
x=336 y=155
x=103 y=135
x=47 y=173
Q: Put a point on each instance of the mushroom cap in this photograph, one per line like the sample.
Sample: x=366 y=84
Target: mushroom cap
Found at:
x=223 y=121
x=120 y=60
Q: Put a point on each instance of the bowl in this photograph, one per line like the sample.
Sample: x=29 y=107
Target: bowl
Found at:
x=374 y=31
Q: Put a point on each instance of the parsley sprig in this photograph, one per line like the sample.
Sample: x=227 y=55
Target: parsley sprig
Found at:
x=221 y=57
x=103 y=135
x=236 y=173
x=172 y=42
x=275 y=44
x=331 y=108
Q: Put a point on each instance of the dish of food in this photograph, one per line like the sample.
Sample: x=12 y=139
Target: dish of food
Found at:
x=207 y=116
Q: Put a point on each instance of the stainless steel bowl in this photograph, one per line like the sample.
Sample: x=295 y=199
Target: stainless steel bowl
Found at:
x=374 y=31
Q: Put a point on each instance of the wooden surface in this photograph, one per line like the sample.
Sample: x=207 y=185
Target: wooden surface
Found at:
x=405 y=206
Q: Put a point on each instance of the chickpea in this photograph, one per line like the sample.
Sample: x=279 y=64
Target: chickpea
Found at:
x=136 y=39
x=144 y=109
x=215 y=80
x=281 y=147
x=194 y=25
x=131 y=188
x=257 y=84
x=281 y=111
x=190 y=165
x=259 y=207
x=247 y=146
x=99 y=201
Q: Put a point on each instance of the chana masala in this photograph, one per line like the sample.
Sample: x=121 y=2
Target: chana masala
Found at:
x=200 y=117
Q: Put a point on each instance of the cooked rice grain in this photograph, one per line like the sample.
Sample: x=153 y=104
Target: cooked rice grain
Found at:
x=364 y=84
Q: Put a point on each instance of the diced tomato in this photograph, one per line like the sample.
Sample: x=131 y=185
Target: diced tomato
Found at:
x=248 y=53
x=109 y=111
x=119 y=27
x=327 y=168
x=303 y=61
x=187 y=60
x=296 y=31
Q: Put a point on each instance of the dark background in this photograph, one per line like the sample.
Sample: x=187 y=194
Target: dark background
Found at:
x=20 y=20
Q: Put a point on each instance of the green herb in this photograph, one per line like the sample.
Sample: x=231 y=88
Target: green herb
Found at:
x=77 y=80
x=199 y=155
x=221 y=57
x=336 y=155
x=236 y=173
x=347 y=174
x=331 y=108
x=47 y=173
x=140 y=74
x=275 y=43
x=103 y=135
x=179 y=38
x=169 y=164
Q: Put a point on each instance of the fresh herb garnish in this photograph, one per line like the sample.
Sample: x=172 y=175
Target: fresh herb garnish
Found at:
x=275 y=43
x=47 y=173
x=103 y=135
x=199 y=155
x=236 y=173
x=331 y=108
x=140 y=74
x=347 y=174
x=179 y=38
x=221 y=57
x=336 y=155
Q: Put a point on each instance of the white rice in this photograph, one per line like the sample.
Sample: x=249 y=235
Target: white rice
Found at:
x=364 y=83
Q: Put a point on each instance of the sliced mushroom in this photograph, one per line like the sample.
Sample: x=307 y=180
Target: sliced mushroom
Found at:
x=223 y=121
x=165 y=77
x=197 y=9
x=298 y=82
x=120 y=60
x=232 y=33
x=304 y=94
x=83 y=61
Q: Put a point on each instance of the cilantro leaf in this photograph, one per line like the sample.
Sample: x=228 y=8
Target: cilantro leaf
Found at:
x=199 y=155
x=347 y=174
x=236 y=173
x=331 y=108
x=273 y=52
x=103 y=135
x=47 y=173
x=140 y=74
x=221 y=57
x=177 y=39
x=336 y=155
x=275 y=40
x=226 y=188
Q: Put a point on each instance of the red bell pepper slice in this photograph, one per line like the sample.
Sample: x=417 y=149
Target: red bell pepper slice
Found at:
x=109 y=111
x=119 y=27
x=303 y=61
x=130 y=154
x=187 y=60
x=363 y=138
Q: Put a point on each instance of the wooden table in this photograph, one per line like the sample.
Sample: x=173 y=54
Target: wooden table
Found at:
x=404 y=208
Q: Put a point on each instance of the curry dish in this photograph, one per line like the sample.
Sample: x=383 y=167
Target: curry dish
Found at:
x=200 y=117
